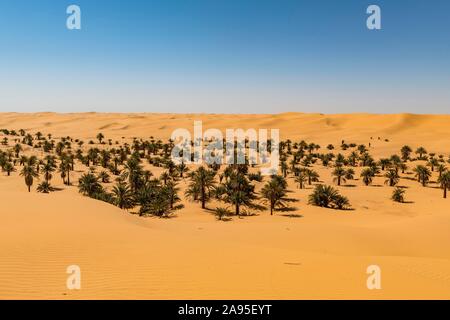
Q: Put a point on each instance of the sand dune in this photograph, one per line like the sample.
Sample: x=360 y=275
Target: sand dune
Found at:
x=316 y=253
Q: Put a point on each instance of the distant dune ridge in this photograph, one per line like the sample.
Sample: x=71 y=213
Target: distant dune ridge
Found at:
x=313 y=253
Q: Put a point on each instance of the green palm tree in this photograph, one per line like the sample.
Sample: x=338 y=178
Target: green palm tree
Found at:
x=312 y=175
x=103 y=176
x=392 y=177
x=384 y=163
x=301 y=179
x=441 y=169
x=8 y=167
x=421 y=151
x=171 y=190
x=398 y=195
x=133 y=172
x=17 y=149
x=182 y=169
x=29 y=173
x=444 y=181
x=274 y=192
x=88 y=185
x=47 y=169
x=350 y=174
x=237 y=191
x=423 y=174
x=123 y=197
x=100 y=137
x=339 y=175
x=367 y=175
x=44 y=187
x=406 y=152
x=201 y=185
x=433 y=162
x=327 y=197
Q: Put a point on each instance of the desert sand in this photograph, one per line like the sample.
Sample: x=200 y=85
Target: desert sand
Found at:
x=312 y=253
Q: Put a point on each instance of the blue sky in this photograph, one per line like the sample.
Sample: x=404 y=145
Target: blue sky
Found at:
x=247 y=56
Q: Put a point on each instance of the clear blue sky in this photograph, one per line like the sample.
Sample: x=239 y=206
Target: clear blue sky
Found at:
x=247 y=56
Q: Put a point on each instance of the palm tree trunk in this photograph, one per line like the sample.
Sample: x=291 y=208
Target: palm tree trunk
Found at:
x=203 y=198
x=445 y=192
x=237 y=209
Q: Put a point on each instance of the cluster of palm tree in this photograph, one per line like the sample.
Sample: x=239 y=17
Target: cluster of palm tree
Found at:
x=123 y=180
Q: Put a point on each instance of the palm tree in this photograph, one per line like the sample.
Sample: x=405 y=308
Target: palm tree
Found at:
x=339 y=175
x=133 y=172
x=221 y=213
x=423 y=174
x=441 y=169
x=123 y=197
x=17 y=149
x=171 y=190
x=350 y=174
x=392 y=177
x=367 y=176
x=398 y=195
x=274 y=192
x=182 y=168
x=47 y=169
x=238 y=191
x=312 y=175
x=406 y=152
x=421 y=151
x=327 y=196
x=100 y=137
x=384 y=163
x=44 y=187
x=301 y=179
x=104 y=176
x=201 y=185
x=88 y=185
x=433 y=162
x=444 y=181
x=8 y=167
x=29 y=173
x=64 y=169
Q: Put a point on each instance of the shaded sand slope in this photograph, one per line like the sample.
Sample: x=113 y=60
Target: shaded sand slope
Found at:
x=317 y=253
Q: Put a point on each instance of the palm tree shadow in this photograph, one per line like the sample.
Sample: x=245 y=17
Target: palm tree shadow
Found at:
x=349 y=185
x=292 y=215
